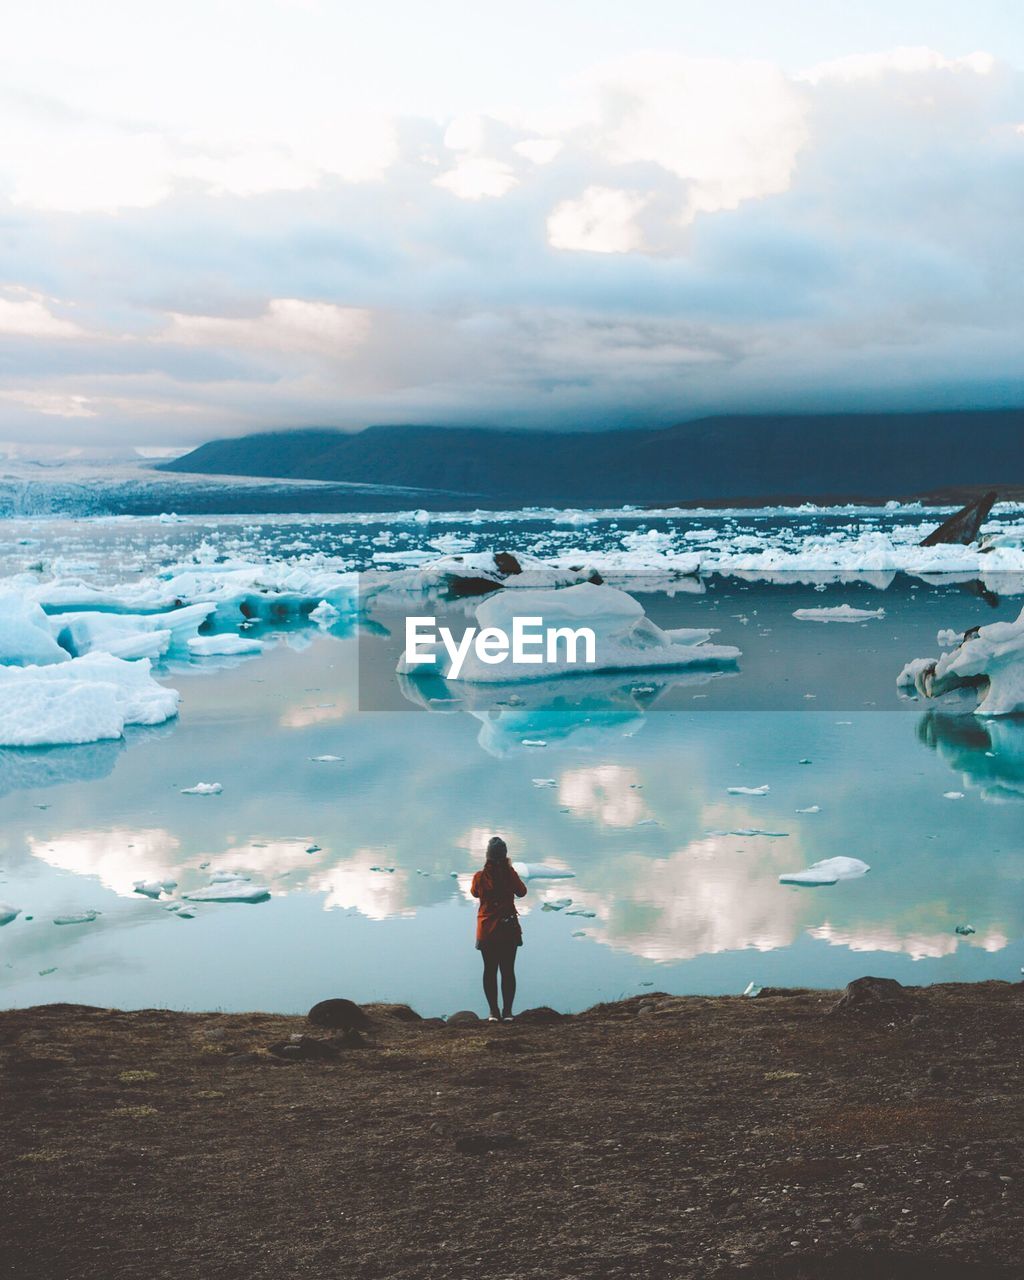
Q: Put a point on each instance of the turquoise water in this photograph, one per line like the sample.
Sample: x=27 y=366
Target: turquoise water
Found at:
x=366 y=857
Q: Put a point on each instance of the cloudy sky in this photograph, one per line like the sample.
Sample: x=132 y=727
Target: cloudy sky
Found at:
x=223 y=215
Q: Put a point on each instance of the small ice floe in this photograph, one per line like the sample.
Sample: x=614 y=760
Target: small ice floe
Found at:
x=223 y=646
x=952 y=795
x=811 y=808
x=758 y=831
x=153 y=888
x=225 y=887
x=545 y=782
x=805 y=760
x=43 y=973
x=578 y=933
x=313 y=848
x=557 y=904
x=325 y=759
x=752 y=989
x=534 y=742
x=324 y=615
x=965 y=930
x=8 y=913
x=80 y=917
x=203 y=789
x=541 y=871
x=840 y=613
x=948 y=638
x=385 y=870
x=581 y=911
x=828 y=871
x=749 y=791
x=648 y=822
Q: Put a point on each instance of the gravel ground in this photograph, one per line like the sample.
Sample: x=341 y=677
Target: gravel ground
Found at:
x=662 y=1136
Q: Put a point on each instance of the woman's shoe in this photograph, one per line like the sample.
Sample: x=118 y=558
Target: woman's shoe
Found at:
x=507 y=1017
x=493 y=1018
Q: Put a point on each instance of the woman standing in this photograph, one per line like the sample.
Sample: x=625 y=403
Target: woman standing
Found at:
x=498 y=932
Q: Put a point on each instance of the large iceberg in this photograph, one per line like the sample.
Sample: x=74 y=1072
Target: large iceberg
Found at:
x=983 y=675
x=86 y=699
x=25 y=636
x=625 y=639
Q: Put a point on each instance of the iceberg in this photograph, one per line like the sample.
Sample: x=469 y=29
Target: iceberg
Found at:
x=828 y=871
x=983 y=675
x=229 y=888
x=542 y=871
x=25 y=637
x=86 y=699
x=226 y=645
x=749 y=791
x=203 y=789
x=8 y=913
x=839 y=613
x=129 y=635
x=625 y=639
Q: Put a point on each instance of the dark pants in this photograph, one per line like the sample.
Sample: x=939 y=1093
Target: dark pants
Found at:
x=499 y=955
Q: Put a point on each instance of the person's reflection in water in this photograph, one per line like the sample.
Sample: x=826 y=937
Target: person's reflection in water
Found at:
x=498 y=931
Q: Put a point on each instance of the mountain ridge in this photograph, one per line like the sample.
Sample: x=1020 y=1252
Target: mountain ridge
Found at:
x=805 y=457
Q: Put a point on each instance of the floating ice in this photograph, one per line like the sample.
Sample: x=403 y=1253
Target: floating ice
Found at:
x=749 y=791
x=983 y=675
x=81 y=917
x=625 y=639
x=965 y=930
x=557 y=904
x=581 y=911
x=153 y=888
x=86 y=699
x=952 y=795
x=828 y=871
x=541 y=871
x=839 y=613
x=225 y=887
x=324 y=615
x=752 y=989
x=226 y=645
x=811 y=808
x=8 y=913
x=203 y=789
x=545 y=782
x=25 y=637
x=129 y=635
x=948 y=638
x=325 y=759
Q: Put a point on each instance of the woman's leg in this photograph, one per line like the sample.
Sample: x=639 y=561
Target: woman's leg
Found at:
x=490 y=956
x=508 y=979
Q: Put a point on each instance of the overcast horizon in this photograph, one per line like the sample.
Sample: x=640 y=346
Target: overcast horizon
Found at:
x=221 y=217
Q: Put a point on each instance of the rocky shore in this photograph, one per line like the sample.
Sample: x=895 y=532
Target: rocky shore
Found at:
x=801 y=1134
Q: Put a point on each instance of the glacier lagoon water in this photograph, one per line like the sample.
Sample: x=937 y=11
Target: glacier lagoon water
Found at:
x=367 y=855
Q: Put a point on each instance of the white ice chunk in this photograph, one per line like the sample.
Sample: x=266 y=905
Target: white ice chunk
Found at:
x=324 y=615
x=203 y=789
x=624 y=638
x=25 y=637
x=828 y=871
x=129 y=635
x=811 y=808
x=233 y=890
x=226 y=645
x=984 y=674
x=80 y=917
x=86 y=699
x=749 y=791
x=542 y=871
x=839 y=613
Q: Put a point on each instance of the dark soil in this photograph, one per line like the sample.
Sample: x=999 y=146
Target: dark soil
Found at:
x=659 y=1137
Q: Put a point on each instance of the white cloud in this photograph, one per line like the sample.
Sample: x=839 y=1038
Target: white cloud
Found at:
x=538 y=150
x=55 y=404
x=288 y=324
x=478 y=178
x=28 y=315
x=602 y=220
x=907 y=60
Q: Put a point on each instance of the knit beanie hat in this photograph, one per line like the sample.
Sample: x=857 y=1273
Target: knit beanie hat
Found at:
x=497 y=849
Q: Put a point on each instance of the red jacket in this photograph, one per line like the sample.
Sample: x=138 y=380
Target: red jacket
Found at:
x=497 y=886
